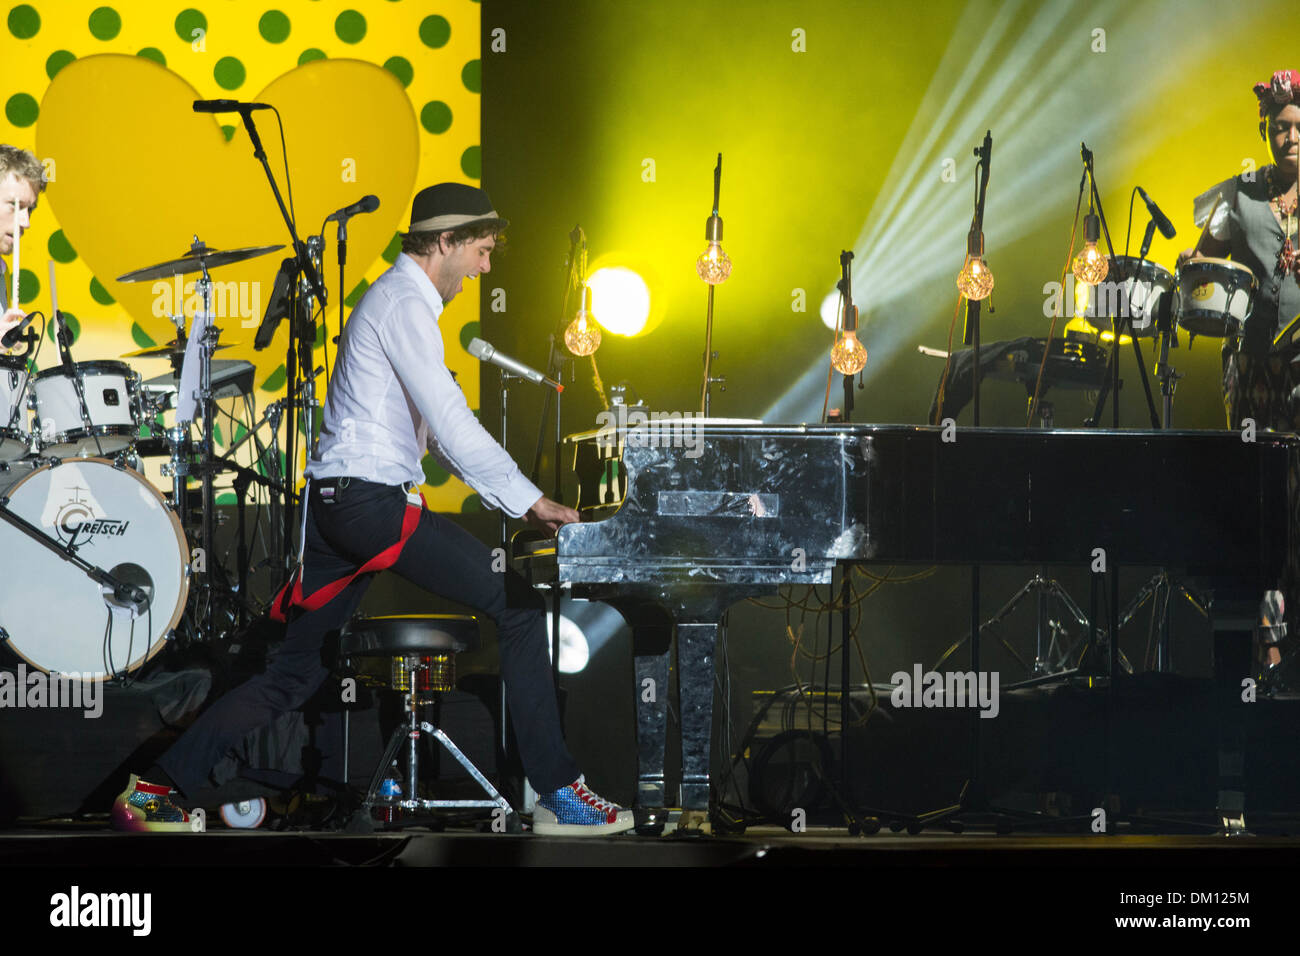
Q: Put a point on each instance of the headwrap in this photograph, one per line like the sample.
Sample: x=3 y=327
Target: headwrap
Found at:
x=1284 y=88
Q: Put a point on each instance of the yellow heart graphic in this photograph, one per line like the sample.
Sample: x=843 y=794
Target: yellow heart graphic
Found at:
x=137 y=173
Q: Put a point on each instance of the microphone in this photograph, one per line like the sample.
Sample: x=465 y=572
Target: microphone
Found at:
x=228 y=106
x=487 y=353
x=364 y=204
x=1162 y=221
x=10 y=338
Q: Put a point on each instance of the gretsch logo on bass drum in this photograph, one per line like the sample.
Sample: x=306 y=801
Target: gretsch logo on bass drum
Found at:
x=76 y=521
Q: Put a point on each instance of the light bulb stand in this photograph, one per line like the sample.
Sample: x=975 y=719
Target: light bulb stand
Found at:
x=713 y=267
x=705 y=396
x=1122 y=326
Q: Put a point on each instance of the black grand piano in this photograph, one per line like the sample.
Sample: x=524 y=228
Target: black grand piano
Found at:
x=683 y=519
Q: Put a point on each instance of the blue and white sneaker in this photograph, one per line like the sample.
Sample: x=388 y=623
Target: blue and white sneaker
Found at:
x=577 y=811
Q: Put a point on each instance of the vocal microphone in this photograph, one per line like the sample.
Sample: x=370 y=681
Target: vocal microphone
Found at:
x=10 y=338
x=487 y=353
x=364 y=204
x=1162 y=221
x=228 y=106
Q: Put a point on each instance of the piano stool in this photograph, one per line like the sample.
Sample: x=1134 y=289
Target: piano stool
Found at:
x=421 y=649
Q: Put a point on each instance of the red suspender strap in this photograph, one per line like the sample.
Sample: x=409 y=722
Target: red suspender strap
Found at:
x=291 y=594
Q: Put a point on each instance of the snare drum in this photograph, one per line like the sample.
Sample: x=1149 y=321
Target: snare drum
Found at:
x=112 y=404
x=14 y=437
x=1132 y=285
x=1215 y=296
x=57 y=618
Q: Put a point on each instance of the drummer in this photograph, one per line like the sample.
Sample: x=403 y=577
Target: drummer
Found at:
x=1255 y=224
x=23 y=178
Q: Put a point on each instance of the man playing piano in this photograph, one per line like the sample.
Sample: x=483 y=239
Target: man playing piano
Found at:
x=391 y=399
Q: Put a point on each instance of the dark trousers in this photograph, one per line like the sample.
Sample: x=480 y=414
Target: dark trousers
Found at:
x=343 y=532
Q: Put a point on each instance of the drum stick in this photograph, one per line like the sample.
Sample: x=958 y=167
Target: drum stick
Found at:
x=13 y=299
x=1206 y=230
x=54 y=291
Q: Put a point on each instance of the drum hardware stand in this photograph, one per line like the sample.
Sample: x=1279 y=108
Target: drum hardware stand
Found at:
x=70 y=368
x=1121 y=325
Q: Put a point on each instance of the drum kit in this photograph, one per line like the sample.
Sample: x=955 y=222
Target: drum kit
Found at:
x=101 y=566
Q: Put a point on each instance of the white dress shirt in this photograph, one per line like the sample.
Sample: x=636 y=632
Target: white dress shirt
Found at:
x=391 y=397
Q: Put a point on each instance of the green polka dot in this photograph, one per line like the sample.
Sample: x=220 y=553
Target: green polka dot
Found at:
x=21 y=109
x=310 y=54
x=320 y=336
x=357 y=293
x=350 y=26
x=216 y=434
x=471 y=505
x=471 y=162
x=393 y=249
x=188 y=21
x=468 y=333
x=226 y=498
x=99 y=293
x=105 y=23
x=140 y=336
x=60 y=249
x=57 y=61
x=472 y=76
x=153 y=53
x=228 y=132
x=29 y=287
x=434 y=474
x=24 y=21
x=436 y=116
x=401 y=68
x=74 y=328
x=435 y=31
x=274 y=26
x=275 y=381
x=229 y=73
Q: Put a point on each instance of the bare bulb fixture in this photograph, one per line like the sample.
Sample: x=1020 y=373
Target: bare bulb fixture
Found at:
x=849 y=356
x=582 y=337
x=975 y=281
x=1090 y=265
x=713 y=265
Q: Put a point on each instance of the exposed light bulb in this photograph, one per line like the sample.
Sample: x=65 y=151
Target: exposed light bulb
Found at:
x=1082 y=294
x=849 y=356
x=713 y=265
x=975 y=281
x=1090 y=265
x=582 y=336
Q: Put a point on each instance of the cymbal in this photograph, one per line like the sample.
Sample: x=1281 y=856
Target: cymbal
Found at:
x=174 y=347
x=194 y=261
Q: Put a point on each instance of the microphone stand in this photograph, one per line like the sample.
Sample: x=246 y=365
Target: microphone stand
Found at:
x=293 y=358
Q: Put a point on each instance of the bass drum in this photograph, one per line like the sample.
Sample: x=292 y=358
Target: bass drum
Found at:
x=56 y=617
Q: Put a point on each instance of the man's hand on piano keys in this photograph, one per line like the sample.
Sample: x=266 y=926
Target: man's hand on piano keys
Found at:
x=547 y=515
